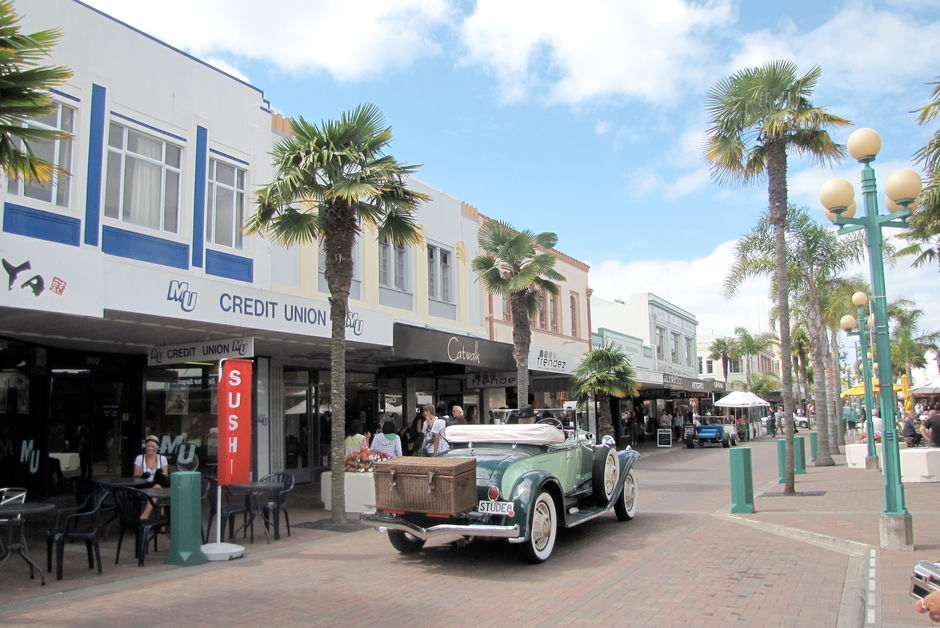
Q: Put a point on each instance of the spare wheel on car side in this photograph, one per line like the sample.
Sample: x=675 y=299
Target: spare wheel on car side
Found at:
x=605 y=474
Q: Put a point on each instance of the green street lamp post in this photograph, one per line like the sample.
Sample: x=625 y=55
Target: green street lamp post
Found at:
x=902 y=186
x=849 y=323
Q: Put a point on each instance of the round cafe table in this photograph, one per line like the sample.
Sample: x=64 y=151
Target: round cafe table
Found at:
x=255 y=493
x=16 y=516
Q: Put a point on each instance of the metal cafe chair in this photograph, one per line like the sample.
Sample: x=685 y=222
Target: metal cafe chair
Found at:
x=10 y=495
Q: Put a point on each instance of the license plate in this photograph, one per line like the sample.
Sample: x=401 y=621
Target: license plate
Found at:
x=496 y=508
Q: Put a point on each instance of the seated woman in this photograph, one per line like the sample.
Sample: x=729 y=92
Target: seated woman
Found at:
x=387 y=442
x=152 y=468
x=355 y=439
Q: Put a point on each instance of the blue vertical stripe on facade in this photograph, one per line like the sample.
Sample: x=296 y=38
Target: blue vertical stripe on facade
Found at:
x=199 y=196
x=95 y=165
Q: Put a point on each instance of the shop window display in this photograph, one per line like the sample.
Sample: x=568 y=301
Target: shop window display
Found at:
x=182 y=407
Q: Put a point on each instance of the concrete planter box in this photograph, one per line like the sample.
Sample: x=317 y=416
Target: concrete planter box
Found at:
x=919 y=464
x=360 y=491
x=855 y=455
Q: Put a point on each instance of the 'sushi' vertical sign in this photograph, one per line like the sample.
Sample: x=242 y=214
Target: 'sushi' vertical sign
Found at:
x=235 y=422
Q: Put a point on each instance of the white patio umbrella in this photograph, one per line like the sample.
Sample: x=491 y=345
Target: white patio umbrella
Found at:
x=740 y=399
x=930 y=387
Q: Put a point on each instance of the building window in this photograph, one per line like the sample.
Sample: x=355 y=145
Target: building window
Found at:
x=709 y=366
x=143 y=180
x=660 y=342
x=393 y=265
x=700 y=371
x=542 y=314
x=675 y=348
x=573 y=307
x=507 y=313
x=440 y=274
x=689 y=352
x=553 y=312
x=735 y=365
x=57 y=152
x=226 y=196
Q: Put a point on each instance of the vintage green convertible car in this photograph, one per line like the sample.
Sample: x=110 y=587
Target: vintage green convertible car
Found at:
x=530 y=479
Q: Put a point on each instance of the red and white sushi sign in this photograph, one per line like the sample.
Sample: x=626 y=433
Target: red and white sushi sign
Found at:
x=235 y=422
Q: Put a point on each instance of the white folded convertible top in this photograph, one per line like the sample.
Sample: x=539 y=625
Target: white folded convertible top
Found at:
x=521 y=434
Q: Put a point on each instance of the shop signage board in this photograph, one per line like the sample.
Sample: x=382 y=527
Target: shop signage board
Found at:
x=210 y=350
x=440 y=346
x=664 y=438
x=552 y=360
x=235 y=422
x=182 y=295
x=491 y=380
x=50 y=277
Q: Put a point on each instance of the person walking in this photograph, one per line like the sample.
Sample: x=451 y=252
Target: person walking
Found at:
x=435 y=439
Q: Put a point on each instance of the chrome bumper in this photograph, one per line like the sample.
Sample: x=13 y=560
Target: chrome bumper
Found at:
x=385 y=522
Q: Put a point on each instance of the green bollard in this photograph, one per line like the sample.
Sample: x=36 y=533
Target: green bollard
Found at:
x=742 y=483
x=799 y=455
x=813 y=438
x=186 y=519
x=782 y=460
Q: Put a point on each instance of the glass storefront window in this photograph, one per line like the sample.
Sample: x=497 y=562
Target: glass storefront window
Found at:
x=182 y=411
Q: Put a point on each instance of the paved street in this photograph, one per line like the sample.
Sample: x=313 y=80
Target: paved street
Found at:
x=809 y=560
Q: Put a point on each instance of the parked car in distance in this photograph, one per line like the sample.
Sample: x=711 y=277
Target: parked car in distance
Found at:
x=531 y=480
x=711 y=431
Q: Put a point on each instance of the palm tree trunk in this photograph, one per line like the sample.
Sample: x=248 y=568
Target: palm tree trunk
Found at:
x=605 y=422
x=836 y=435
x=338 y=274
x=777 y=193
x=804 y=375
x=521 y=341
x=818 y=344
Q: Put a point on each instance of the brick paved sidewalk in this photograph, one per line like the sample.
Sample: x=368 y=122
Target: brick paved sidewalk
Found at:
x=803 y=560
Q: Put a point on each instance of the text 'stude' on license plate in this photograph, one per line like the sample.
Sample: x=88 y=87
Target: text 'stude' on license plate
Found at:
x=496 y=508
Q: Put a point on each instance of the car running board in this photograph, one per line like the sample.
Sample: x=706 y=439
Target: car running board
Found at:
x=582 y=514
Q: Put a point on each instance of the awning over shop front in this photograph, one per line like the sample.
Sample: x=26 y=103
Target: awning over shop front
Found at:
x=439 y=346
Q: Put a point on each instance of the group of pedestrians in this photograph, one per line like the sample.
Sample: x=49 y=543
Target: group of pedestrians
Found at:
x=924 y=428
x=426 y=435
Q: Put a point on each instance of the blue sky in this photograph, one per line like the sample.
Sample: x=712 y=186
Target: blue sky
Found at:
x=585 y=118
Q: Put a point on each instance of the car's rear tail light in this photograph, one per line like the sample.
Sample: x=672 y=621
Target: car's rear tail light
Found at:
x=493 y=493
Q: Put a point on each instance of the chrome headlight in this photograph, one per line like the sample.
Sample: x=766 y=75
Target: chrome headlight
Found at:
x=608 y=440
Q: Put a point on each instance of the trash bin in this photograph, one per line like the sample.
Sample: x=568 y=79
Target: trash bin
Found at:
x=813 y=446
x=186 y=519
x=742 y=481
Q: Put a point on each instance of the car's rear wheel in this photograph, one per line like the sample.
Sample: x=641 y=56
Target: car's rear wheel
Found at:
x=543 y=529
x=605 y=474
x=726 y=441
x=690 y=444
x=404 y=542
x=625 y=508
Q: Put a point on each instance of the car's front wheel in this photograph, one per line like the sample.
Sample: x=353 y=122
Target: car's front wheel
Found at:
x=404 y=542
x=625 y=508
x=543 y=529
x=605 y=473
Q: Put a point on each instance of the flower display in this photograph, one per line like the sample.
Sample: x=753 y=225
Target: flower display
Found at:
x=363 y=460
x=863 y=438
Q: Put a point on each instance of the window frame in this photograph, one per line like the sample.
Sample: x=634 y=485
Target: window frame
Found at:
x=212 y=184
x=19 y=187
x=443 y=270
x=123 y=154
x=395 y=263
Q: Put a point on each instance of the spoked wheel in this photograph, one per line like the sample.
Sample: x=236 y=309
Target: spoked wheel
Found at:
x=605 y=473
x=625 y=508
x=543 y=528
x=404 y=542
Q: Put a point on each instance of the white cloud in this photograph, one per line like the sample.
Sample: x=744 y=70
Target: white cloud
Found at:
x=862 y=50
x=347 y=39
x=644 y=49
x=228 y=68
x=695 y=285
x=601 y=127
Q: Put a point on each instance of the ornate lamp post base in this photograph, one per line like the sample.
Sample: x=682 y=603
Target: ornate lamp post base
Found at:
x=897 y=532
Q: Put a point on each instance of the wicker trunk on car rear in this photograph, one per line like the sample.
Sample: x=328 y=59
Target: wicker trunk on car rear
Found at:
x=427 y=485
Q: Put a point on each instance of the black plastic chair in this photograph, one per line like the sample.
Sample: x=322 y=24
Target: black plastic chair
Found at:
x=78 y=524
x=278 y=501
x=232 y=505
x=130 y=504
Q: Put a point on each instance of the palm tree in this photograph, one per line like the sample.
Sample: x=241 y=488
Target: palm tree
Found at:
x=814 y=255
x=24 y=95
x=762 y=384
x=799 y=349
x=908 y=348
x=836 y=299
x=604 y=372
x=511 y=264
x=924 y=233
x=749 y=345
x=757 y=115
x=723 y=349
x=329 y=180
